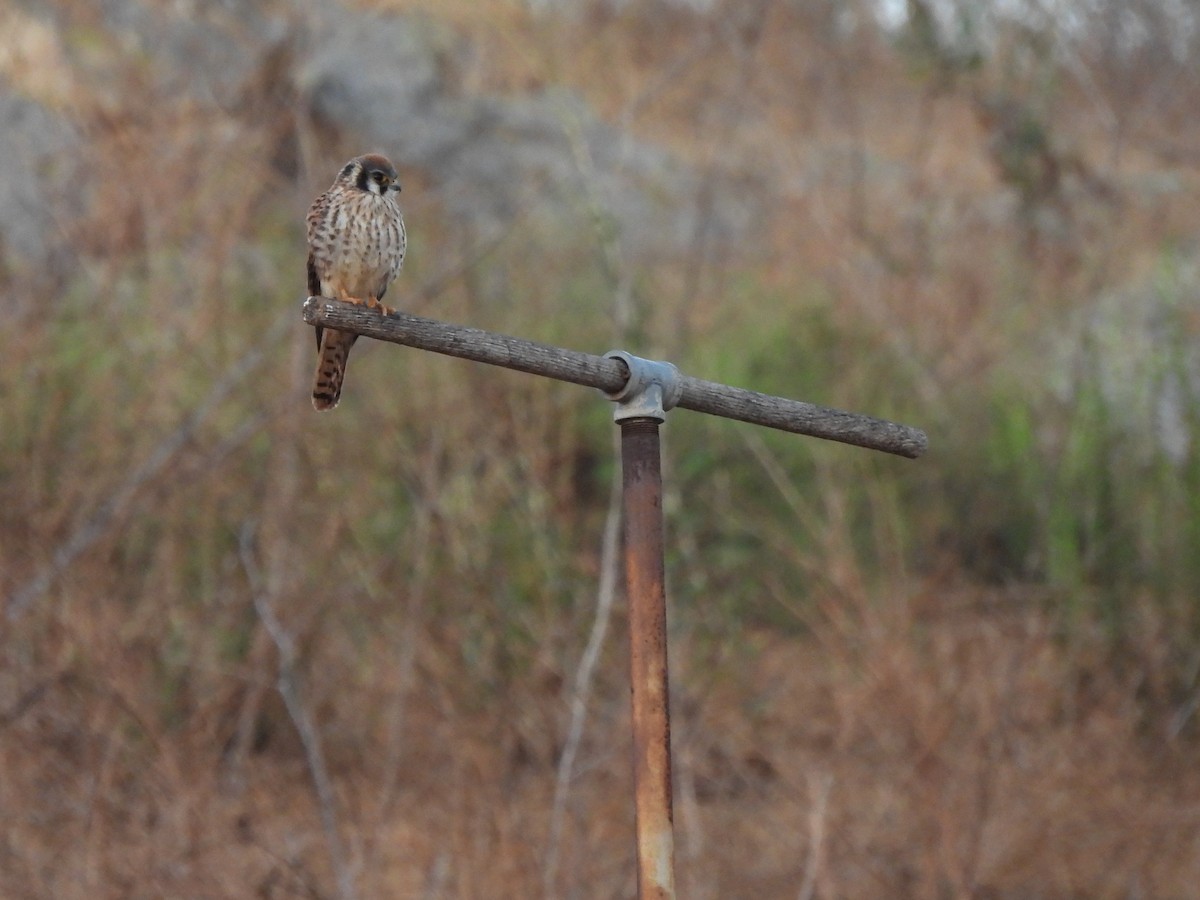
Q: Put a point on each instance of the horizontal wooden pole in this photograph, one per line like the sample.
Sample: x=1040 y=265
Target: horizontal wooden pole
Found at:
x=610 y=375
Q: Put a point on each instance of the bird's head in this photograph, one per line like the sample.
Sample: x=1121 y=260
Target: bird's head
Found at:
x=372 y=173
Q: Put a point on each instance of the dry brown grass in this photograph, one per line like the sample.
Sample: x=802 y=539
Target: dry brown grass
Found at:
x=862 y=708
x=958 y=749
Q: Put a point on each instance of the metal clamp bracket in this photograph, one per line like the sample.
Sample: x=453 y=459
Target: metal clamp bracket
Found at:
x=653 y=388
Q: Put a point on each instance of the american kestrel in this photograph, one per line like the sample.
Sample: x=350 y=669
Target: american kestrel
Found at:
x=355 y=250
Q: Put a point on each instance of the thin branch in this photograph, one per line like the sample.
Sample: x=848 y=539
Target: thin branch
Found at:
x=584 y=677
x=819 y=788
x=288 y=685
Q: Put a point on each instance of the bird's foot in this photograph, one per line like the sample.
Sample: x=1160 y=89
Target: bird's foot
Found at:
x=372 y=303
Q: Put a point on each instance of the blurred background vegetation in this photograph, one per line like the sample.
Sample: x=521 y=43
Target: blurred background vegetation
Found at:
x=249 y=650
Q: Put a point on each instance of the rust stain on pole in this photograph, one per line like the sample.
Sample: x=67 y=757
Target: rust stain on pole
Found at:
x=642 y=480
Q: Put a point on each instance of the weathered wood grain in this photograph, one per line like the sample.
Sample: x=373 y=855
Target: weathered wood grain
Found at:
x=610 y=375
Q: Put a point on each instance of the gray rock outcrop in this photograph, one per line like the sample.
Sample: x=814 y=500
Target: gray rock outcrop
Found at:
x=493 y=157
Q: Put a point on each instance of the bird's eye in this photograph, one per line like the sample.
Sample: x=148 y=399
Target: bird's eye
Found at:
x=378 y=176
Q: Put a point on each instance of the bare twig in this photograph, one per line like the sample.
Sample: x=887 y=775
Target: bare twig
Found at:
x=288 y=685
x=819 y=788
x=584 y=676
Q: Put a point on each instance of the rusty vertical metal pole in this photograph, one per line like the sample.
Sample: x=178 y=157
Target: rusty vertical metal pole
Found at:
x=641 y=469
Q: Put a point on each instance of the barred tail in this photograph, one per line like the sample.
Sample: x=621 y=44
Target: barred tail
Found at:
x=331 y=368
